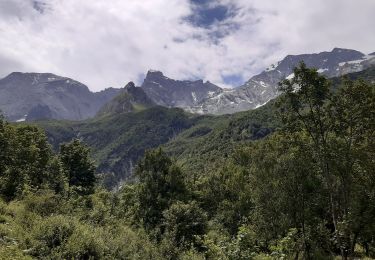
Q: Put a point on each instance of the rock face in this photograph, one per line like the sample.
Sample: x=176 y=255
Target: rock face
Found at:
x=39 y=112
x=174 y=93
x=130 y=99
x=33 y=96
x=263 y=87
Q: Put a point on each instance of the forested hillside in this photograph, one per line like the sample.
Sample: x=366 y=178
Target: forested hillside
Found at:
x=294 y=179
x=118 y=140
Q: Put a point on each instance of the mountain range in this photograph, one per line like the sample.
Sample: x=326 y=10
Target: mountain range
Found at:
x=263 y=87
x=35 y=96
x=198 y=142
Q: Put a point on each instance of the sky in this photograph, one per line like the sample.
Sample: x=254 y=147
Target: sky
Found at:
x=105 y=43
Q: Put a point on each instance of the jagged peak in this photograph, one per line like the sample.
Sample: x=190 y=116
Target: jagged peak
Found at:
x=337 y=49
x=154 y=73
x=130 y=85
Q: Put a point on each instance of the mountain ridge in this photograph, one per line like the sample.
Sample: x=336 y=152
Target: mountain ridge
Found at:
x=261 y=88
x=35 y=96
x=130 y=99
x=168 y=92
x=49 y=96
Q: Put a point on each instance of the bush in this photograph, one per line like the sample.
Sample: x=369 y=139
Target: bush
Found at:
x=12 y=252
x=184 y=222
x=43 y=202
x=50 y=235
x=84 y=243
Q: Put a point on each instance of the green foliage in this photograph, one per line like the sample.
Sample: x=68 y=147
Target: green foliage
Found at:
x=225 y=195
x=119 y=141
x=78 y=166
x=25 y=160
x=161 y=183
x=183 y=223
x=63 y=234
x=340 y=128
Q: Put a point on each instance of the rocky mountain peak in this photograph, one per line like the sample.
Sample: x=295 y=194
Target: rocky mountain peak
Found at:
x=263 y=87
x=130 y=85
x=33 y=77
x=154 y=74
x=130 y=99
x=34 y=96
x=168 y=92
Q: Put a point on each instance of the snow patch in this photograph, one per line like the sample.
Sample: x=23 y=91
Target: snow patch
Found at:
x=194 y=96
x=211 y=93
x=355 y=62
x=262 y=104
x=22 y=119
x=271 y=67
x=322 y=70
x=153 y=82
x=263 y=84
x=35 y=80
x=289 y=77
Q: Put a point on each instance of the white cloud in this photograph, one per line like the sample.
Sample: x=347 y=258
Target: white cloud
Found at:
x=107 y=43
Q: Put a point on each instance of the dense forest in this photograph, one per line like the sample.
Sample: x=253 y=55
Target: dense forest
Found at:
x=301 y=188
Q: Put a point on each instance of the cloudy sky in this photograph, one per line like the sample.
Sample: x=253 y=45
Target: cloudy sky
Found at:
x=106 y=43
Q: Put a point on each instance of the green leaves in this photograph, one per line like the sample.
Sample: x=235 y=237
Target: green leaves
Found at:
x=340 y=128
x=25 y=155
x=183 y=222
x=78 y=166
x=161 y=183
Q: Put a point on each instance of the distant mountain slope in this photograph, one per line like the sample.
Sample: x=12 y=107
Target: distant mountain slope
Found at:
x=263 y=87
x=119 y=140
x=198 y=142
x=32 y=96
x=174 y=93
x=130 y=99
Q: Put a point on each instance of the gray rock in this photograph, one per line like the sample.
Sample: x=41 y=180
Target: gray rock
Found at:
x=263 y=87
x=33 y=96
x=174 y=93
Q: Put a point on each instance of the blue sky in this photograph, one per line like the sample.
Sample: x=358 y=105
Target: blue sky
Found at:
x=204 y=13
x=108 y=43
